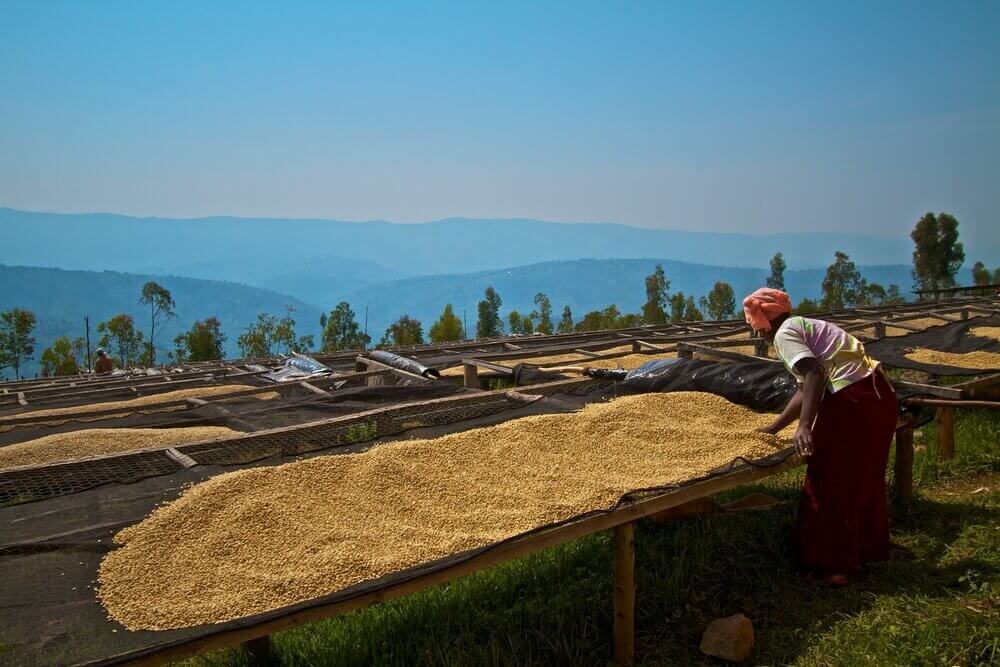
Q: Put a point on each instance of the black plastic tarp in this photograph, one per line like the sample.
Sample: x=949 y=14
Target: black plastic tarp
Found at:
x=954 y=337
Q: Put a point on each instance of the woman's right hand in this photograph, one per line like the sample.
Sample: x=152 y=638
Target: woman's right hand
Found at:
x=803 y=440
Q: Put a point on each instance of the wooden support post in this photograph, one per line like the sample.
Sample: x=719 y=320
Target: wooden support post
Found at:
x=880 y=329
x=261 y=650
x=945 y=422
x=624 y=594
x=904 y=462
x=760 y=347
x=472 y=377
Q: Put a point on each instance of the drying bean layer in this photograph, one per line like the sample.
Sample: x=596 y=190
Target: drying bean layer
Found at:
x=91 y=442
x=976 y=360
x=258 y=539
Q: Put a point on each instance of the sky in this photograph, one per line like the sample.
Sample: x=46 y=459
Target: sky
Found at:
x=722 y=116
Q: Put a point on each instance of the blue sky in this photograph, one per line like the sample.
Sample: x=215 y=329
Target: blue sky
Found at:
x=749 y=116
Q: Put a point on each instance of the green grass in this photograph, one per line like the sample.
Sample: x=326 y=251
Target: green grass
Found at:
x=937 y=601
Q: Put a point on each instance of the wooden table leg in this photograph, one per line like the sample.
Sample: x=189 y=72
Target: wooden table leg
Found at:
x=624 y=594
x=904 y=463
x=261 y=651
x=945 y=422
x=471 y=376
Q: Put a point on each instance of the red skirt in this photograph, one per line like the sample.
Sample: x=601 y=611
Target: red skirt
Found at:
x=843 y=516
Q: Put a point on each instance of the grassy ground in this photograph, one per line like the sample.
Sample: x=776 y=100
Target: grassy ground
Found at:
x=937 y=601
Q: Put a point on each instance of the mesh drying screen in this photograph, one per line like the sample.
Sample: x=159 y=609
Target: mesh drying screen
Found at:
x=37 y=483
x=955 y=337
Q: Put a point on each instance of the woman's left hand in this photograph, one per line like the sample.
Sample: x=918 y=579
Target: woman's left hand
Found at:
x=803 y=440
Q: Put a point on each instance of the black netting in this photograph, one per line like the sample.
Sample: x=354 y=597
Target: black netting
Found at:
x=365 y=428
x=33 y=484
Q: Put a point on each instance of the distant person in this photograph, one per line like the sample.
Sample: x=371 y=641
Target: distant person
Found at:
x=104 y=363
x=847 y=416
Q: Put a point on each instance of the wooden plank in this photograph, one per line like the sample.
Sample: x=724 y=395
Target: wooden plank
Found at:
x=180 y=457
x=903 y=325
x=979 y=386
x=624 y=625
x=501 y=554
x=587 y=353
x=511 y=346
x=313 y=388
x=221 y=411
x=721 y=354
x=930 y=389
x=496 y=368
x=650 y=346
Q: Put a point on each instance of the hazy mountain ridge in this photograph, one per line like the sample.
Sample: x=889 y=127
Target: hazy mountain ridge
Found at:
x=255 y=250
x=60 y=298
x=584 y=285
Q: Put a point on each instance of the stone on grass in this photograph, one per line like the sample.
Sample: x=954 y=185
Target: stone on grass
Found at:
x=729 y=638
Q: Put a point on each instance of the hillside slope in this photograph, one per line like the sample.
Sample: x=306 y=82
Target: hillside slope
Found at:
x=586 y=284
x=60 y=300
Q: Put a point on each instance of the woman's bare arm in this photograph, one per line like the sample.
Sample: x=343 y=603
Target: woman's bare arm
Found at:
x=787 y=416
x=812 y=393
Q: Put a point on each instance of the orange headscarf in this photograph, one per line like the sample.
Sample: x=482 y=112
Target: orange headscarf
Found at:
x=764 y=305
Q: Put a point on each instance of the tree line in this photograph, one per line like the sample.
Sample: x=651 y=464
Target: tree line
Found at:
x=937 y=257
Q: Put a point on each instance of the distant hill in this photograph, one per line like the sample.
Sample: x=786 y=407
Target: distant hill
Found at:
x=584 y=285
x=60 y=299
x=325 y=260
